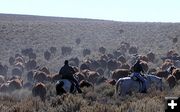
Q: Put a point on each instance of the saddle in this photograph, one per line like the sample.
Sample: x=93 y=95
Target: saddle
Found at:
x=135 y=78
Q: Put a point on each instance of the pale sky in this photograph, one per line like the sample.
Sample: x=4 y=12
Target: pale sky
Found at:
x=118 y=10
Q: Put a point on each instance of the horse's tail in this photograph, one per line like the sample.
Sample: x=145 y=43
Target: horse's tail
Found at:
x=117 y=87
x=59 y=88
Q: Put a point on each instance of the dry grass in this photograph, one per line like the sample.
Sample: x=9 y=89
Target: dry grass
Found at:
x=92 y=100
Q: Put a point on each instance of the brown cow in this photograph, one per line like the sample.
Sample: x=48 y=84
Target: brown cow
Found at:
x=30 y=75
x=166 y=65
x=45 y=70
x=39 y=89
x=171 y=53
x=84 y=66
x=125 y=66
x=92 y=76
x=103 y=63
x=40 y=76
x=31 y=64
x=20 y=59
x=120 y=73
x=17 y=71
x=3 y=70
x=143 y=58
x=80 y=76
x=76 y=69
x=144 y=66
x=55 y=77
x=133 y=50
x=84 y=83
x=162 y=73
x=11 y=60
x=151 y=56
x=102 y=50
x=15 y=84
x=4 y=87
x=74 y=61
x=100 y=71
x=122 y=59
x=112 y=64
x=171 y=81
x=47 y=55
x=176 y=73
x=111 y=81
x=53 y=50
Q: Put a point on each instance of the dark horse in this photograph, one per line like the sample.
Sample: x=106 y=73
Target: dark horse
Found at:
x=65 y=86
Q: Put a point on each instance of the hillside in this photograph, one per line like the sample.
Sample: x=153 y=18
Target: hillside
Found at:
x=40 y=33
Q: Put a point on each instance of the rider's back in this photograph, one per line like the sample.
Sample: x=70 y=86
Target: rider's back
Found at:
x=67 y=71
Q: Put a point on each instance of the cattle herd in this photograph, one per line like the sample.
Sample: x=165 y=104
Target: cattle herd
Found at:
x=26 y=73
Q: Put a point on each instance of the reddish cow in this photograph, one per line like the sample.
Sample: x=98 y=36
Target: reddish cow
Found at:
x=171 y=81
x=45 y=70
x=84 y=83
x=120 y=73
x=176 y=73
x=111 y=81
x=40 y=77
x=15 y=84
x=39 y=90
x=162 y=73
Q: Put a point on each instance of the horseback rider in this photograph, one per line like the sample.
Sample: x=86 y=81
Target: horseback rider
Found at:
x=137 y=69
x=68 y=72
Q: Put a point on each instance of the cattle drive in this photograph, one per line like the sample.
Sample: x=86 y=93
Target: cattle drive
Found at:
x=115 y=70
x=121 y=76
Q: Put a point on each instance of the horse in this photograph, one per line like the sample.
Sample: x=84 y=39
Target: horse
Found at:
x=65 y=86
x=127 y=85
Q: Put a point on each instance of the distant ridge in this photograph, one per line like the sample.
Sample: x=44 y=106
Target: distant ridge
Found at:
x=4 y=16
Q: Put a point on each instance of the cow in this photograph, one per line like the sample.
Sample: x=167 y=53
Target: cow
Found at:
x=102 y=50
x=84 y=83
x=47 y=55
x=11 y=60
x=3 y=70
x=171 y=81
x=122 y=59
x=112 y=65
x=74 y=61
x=111 y=81
x=31 y=64
x=92 y=76
x=17 y=71
x=45 y=70
x=133 y=50
x=162 y=73
x=176 y=73
x=151 y=56
x=40 y=76
x=143 y=58
x=144 y=66
x=39 y=89
x=166 y=65
x=125 y=66
x=120 y=73
x=15 y=84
